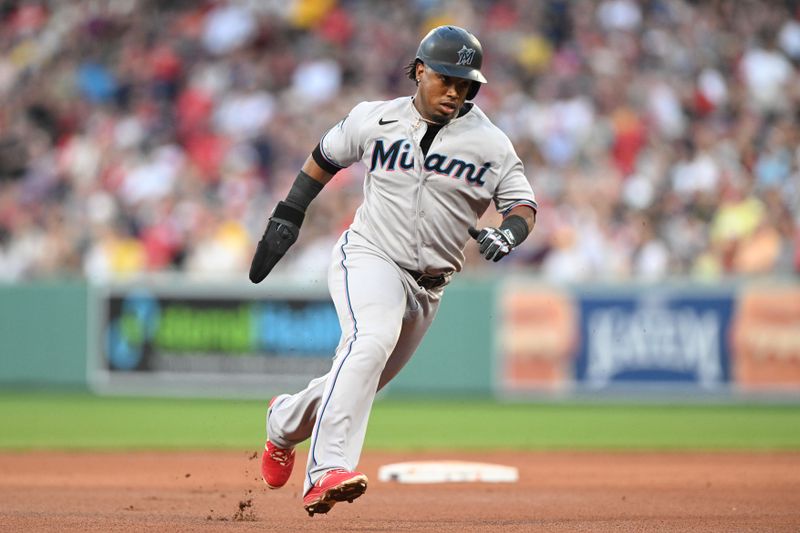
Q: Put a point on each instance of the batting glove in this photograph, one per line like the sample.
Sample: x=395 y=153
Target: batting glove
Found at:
x=494 y=243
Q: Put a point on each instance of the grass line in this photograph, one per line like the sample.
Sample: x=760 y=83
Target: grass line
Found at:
x=86 y=422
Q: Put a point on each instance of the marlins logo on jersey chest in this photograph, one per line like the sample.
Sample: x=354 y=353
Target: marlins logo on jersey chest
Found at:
x=399 y=154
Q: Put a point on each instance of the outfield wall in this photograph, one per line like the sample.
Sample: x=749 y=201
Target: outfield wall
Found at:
x=44 y=334
x=510 y=338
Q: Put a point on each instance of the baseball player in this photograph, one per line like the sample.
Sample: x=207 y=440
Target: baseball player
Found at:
x=435 y=162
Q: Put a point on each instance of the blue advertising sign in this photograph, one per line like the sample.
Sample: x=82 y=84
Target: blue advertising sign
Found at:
x=654 y=337
x=146 y=331
x=195 y=340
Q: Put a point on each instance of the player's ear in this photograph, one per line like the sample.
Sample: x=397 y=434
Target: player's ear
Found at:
x=420 y=68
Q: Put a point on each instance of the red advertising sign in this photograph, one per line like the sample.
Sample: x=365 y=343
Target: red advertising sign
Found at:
x=766 y=338
x=537 y=337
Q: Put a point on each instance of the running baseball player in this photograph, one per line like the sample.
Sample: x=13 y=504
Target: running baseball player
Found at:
x=435 y=162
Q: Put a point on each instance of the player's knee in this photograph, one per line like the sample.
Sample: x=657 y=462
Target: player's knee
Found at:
x=375 y=349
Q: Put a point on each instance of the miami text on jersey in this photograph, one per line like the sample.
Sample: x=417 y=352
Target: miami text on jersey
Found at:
x=399 y=153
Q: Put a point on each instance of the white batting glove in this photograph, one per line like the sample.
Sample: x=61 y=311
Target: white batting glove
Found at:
x=494 y=244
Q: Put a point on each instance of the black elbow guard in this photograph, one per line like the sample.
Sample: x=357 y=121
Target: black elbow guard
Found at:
x=282 y=231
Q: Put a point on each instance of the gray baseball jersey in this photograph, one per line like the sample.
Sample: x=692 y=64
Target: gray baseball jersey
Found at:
x=416 y=211
x=417 y=207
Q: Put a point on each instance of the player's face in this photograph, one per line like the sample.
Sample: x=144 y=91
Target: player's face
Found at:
x=439 y=97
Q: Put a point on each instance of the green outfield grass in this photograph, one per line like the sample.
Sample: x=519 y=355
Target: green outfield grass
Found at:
x=82 y=421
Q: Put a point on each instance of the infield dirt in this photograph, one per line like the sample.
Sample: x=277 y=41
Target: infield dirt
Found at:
x=557 y=491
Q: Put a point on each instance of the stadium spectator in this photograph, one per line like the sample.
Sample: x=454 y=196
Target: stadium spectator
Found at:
x=138 y=137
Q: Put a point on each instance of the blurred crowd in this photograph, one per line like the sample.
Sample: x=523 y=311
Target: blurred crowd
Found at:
x=662 y=137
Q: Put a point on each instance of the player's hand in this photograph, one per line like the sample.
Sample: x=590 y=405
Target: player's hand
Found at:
x=494 y=244
x=282 y=231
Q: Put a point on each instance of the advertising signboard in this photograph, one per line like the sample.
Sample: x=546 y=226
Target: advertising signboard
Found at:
x=614 y=338
x=656 y=336
x=766 y=338
x=187 y=341
x=537 y=338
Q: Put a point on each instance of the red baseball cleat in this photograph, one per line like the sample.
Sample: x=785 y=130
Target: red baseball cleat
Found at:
x=276 y=463
x=336 y=485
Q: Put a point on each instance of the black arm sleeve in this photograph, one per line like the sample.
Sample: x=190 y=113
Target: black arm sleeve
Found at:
x=322 y=161
x=517 y=226
x=303 y=191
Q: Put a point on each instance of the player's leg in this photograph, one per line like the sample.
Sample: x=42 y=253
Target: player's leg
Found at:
x=290 y=420
x=293 y=416
x=418 y=319
x=370 y=298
